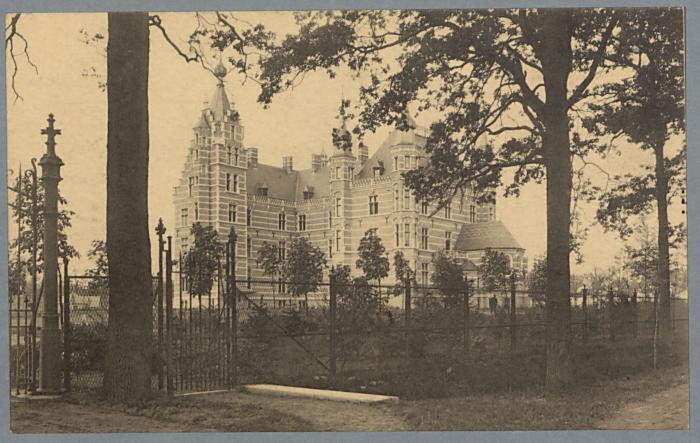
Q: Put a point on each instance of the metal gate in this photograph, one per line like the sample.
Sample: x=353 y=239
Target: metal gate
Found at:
x=196 y=329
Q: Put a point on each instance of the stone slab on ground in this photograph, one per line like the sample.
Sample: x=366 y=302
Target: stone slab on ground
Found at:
x=319 y=394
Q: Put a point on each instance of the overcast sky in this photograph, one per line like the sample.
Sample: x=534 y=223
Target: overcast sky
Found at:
x=298 y=123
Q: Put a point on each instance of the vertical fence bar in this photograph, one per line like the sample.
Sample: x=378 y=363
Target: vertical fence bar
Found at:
x=18 y=361
x=332 y=331
x=66 y=328
x=465 y=320
x=234 y=308
x=168 y=315
x=513 y=318
x=407 y=315
x=584 y=313
x=160 y=230
x=635 y=314
x=611 y=314
x=227 y=306
x=35 y=249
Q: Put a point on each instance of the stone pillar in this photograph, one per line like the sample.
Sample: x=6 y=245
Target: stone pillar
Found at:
x=50 y=355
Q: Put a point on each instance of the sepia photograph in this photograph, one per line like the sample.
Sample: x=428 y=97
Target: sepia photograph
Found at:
x=357 y=220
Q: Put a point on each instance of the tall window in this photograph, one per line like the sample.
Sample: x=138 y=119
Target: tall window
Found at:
x=396 y=163
x=424 y=207
x=302 y=222
x=196 y=211
x=408 y=162
x=424 y=238
x=472 y=214
x=282 y=250
x=337 y=206
x=397 y=235
x=183 y=216
x=232 y=213
x=248 y=216
x=448 y=241
x=236 y=156
x=424 y=273
x=196 y=153
x=330 y=218
x=185 y=243
x=228 y=181
x=190 y=186
x=337 y=172
x=228 y=155
x=448 y=210
x=249 y=278
x=400 y=162
x=282 y=221
x=337 y=240
x=235 y=182
x=373 y=205
x=330 y=248
x=407 y=234
x=248 y=246
x=406 y=198
x=396 y=199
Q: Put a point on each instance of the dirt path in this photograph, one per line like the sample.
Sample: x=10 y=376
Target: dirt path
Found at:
x=323 y=415
x=665 y=410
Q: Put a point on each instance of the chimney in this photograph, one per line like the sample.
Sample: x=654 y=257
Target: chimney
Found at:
x=287 y=164
x=364 y=153
x=252 y=157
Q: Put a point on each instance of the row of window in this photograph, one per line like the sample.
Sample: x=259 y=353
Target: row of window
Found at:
x=406 y=162
x=402 y=237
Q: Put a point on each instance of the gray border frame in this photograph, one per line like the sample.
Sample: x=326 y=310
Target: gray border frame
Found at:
x=692 y=134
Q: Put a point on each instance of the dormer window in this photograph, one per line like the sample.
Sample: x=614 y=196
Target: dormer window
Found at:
x=308 y=192
x=262 y=189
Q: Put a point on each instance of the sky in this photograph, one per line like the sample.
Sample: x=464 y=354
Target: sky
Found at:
x=298 y=123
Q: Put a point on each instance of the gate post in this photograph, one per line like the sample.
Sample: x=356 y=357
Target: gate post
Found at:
x=49 y=357
x=168 y=315
x=66 y=327
x=513 y=320
x=611 y=313
x=233 y=237
x=333 y=307
x=584 y=309
x=465 y=319
x=160 y=230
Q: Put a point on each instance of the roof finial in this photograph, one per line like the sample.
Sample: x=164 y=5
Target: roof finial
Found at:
x=220 y=70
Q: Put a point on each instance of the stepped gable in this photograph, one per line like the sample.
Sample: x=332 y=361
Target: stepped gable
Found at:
x=480 y=236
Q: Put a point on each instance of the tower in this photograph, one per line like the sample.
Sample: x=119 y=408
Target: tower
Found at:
x=212 y=188
x=342 y=169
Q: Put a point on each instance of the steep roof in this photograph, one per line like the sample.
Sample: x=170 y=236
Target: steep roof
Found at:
x=220 y=106
x=479 y=236
x=287 y=185
x=383 y=154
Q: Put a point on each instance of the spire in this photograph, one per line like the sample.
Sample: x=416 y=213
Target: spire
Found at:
x=342 y=139
x=220 y=106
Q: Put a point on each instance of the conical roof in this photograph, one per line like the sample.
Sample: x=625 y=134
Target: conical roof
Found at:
x=219 y=105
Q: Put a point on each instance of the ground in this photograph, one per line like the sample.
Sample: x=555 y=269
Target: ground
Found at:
x=652 y=400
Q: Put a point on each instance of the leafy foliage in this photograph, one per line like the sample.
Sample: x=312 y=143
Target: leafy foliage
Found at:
x=303 y=267
x=201 y=262
x=98 y=255
x=448 y=277
x=494 y=269
x=25 y=240
x=372 y=257
x=537 y=279
x=268 y=259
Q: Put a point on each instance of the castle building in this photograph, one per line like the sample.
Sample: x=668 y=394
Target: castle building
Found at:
x=332 y=204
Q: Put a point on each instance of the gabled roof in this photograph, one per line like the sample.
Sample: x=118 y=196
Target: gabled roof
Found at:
x=383 y=154
x=480 y=236
x=280 y=183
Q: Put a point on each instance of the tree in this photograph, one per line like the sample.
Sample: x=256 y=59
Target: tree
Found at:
x=268 y=259
x=100 y=270
x=448 y=277
x=647 y=108
x=302 y=268
x=474 y=67
x=29 y=189
x=537 y=280
x=201 y=262
x=127 y=374
x=372 y=257
x=494 y=269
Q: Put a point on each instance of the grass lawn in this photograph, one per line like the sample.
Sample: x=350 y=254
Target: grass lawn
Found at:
x=586 y=407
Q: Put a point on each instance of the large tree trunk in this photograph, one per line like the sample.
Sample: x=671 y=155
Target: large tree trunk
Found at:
x=556 y=64
x=663 y=271
x=128 y=362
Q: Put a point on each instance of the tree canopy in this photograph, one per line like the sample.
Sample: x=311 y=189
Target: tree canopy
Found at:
x=372 y=257
x=494 y=269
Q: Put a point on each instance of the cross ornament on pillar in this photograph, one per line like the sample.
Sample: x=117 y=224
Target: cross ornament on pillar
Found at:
x=50 y=353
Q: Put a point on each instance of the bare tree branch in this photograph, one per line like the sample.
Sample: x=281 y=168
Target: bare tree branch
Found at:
x=12 y=34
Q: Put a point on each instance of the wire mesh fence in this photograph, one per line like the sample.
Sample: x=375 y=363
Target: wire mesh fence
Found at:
x=349 y=335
